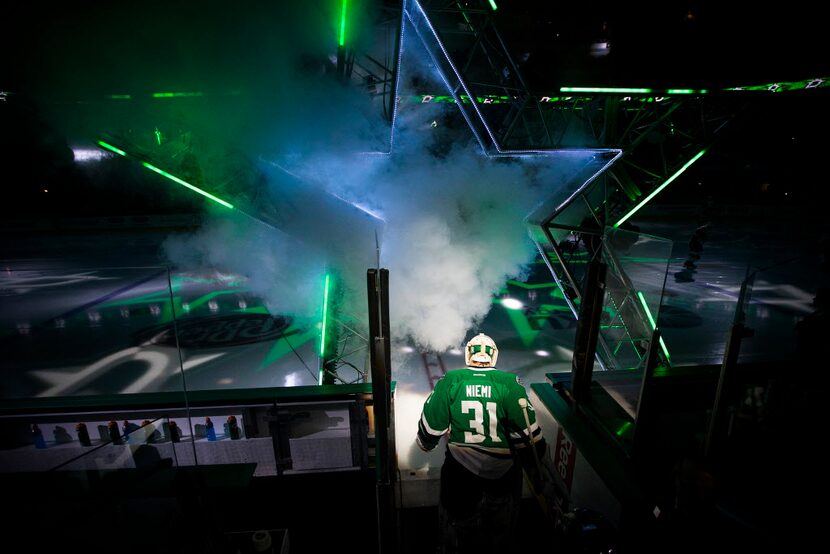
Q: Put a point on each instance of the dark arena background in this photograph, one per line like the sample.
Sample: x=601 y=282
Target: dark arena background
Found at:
x=242 y=241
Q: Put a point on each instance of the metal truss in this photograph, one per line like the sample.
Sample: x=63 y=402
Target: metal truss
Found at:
x=477 y=67
x=374 y=67
x=658 y=136
x=349 y=362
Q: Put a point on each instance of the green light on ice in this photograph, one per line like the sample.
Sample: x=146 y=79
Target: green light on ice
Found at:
x=493 y=5
x=186 y=184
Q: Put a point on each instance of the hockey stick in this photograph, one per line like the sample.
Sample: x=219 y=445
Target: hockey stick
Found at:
x=540 y=497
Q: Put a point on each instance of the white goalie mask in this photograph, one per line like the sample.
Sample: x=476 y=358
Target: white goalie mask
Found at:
x=481 y=351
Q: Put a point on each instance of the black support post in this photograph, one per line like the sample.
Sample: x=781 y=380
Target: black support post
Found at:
x=587 y=331
x=377 y=281
x=644 y=422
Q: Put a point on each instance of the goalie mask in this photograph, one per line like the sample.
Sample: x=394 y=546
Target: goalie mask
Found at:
x=481 y=351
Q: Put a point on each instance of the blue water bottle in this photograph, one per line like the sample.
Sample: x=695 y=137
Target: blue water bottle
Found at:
x=37 y=436
x=209 y=430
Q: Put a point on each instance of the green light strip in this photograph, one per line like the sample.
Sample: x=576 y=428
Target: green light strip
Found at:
x=323 y=331
x=493 y=5
x=783 y=86
x=567 y=100
x=176 y=94
x=186 y=184
x=645 y=307
x=111 y=148
x=119 y=97
x=665 y=350
x=606 y=89
x=651 y=321
x=623 y=428
x=343 y=23
x=659 y=94
x=173 y=178
x=661 y=187
x=529 y=286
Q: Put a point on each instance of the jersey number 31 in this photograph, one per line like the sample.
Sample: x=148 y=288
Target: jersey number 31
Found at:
x=477 y=422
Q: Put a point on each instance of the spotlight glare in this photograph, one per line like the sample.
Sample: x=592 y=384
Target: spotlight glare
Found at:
x=512 y=303
x=83 y=155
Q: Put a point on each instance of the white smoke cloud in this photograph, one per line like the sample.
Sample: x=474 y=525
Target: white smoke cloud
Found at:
x=283 y=272
x=453 y=244
x=454 y=229
x=454 y=233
